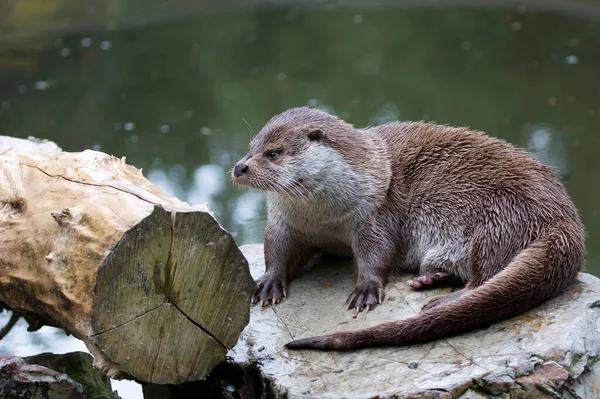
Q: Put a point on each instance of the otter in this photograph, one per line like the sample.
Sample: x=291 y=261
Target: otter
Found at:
x=452 y=205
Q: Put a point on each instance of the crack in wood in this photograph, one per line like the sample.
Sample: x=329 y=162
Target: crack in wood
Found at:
x=89 y=184
x=199 y=326
x=169 y=270
x=127 y=322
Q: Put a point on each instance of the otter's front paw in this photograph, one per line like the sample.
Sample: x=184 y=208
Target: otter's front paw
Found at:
x=366 y=295
x=269 y=289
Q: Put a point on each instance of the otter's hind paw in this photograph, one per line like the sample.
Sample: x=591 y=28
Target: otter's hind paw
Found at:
x=435 y=278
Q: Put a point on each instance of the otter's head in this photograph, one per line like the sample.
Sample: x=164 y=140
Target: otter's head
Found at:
x=292 y=154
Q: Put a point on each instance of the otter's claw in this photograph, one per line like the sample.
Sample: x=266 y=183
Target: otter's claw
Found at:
x=269 y=289
x=366 y=296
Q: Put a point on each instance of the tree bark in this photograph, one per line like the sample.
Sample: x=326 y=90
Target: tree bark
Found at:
x=155 y=287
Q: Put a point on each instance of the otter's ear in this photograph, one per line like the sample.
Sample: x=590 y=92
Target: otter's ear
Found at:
x=315 y=134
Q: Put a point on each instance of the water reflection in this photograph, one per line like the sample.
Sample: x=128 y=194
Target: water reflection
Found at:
x=548 y=147
x=208 y=186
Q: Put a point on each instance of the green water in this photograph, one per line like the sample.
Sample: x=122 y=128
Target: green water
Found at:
x=172 y=96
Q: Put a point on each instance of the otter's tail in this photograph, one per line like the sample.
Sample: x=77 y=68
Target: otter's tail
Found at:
x=543 y=269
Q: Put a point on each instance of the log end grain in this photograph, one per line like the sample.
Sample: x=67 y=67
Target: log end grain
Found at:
x=171 y=298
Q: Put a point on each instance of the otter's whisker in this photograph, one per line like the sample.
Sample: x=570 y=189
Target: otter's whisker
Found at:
x=249 y=127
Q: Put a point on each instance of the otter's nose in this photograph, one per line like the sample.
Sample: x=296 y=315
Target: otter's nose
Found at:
x=240 y=169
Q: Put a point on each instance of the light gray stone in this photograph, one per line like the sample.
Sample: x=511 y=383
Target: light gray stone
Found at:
x=552 y=351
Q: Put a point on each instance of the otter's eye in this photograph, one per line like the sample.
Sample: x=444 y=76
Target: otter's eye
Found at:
x=272 y=154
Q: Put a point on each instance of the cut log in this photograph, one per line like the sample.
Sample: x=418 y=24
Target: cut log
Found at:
x=155 y=287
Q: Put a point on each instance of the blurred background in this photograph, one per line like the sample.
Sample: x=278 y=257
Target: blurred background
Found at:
x=177 y=86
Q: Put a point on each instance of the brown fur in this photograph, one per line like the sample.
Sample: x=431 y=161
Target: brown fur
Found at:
x=412 y=197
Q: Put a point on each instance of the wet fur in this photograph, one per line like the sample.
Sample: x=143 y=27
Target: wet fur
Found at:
x=413 y=197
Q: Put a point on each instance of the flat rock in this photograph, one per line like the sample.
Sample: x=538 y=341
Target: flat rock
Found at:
x=21 y=380
x=78 y=366
x=549 y=352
